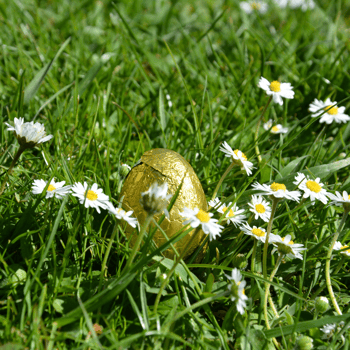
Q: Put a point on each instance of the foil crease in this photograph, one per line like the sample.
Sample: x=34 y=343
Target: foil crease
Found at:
x=163 y=165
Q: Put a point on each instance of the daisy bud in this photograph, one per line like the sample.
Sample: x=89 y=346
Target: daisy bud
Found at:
x=304 y=343
x=29 y=134
x=124 y=169
x=321 y=305
x=240 y=261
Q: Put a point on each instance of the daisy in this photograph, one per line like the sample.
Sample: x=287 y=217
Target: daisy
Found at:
x=237 y=290
x=328 y=330
x=303 y=4
x=260 y=208
x=155 y=199
x=333 y=113
x=286 y=246
x=119 y=213
x=277 y=129
x=256 y=232
x=311 y=188
x=124 y=169
x=214 y=203
x=276 y=89
x=340 y=199
x=234 y=215
x=344 y=249
x=198 y=217
x=93 y=197
x=55 y=189
x=237 y=157
x=29 y=134
x=252 y=6
x=277 y=190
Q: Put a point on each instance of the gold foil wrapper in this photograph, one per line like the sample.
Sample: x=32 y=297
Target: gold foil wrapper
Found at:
x=163 y=165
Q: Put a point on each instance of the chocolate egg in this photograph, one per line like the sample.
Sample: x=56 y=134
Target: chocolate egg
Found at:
x=162 y=165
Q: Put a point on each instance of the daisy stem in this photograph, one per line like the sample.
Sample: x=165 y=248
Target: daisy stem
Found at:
x=252 y=268
x=328 y=263
x=9 y=171
x=267 y=292
x=257 y=130
x=221 y=180
x=269 y=228
x=169 y=274
x=138 y=241
x=104 y=263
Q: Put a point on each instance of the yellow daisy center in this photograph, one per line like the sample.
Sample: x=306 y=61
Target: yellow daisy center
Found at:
x=260 y=208
x=332 y=111
x=230 y=213
x=313 y=186
x=51 y=188
x=290 y=242
x=91 y=195
x=276 y=186
x=275 y=86
x=243 y=290
x=275 y=129
x=243 y=155
x=203 y=216
x=347 y=250
x=258 y=232
x=349 y=196
x=255 y=6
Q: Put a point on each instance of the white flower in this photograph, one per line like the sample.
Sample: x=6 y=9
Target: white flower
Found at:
x=234 y=215
x=345 y=249
x=256 y=232
x=311 y=188
x=260 y=208
x=333 y=113
x=303 y=4
x=251 y=6
x=155 y=199
x=215 y=203
x=55 y=189
x=237 y=157
x=122 y=214
x=339 y=199
x=237 y=290
x=276 y=89
x=29 y=134
x=277 y=129
x=124 y=169
x=277 y=190
x=328 y=330
x=93 y=197
x=198 y=217
x=286 y=246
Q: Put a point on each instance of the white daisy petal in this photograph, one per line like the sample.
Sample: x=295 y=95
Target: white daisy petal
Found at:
x=277 y=90
x=55 y=189
x=29 y=134
x=92 y=197
x=198 y=217
x=277 y=190
x=311 y=188
x=237 y=157
x=331 y=112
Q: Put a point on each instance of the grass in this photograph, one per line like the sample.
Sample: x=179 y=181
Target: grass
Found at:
x=97 y=75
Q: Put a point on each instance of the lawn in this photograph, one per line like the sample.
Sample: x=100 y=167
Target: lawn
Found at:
x=253 y=98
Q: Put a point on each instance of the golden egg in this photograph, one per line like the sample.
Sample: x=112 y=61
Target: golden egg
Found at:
x=162 y=165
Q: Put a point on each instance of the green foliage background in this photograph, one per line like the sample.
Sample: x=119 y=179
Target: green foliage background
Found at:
x=97 y=74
